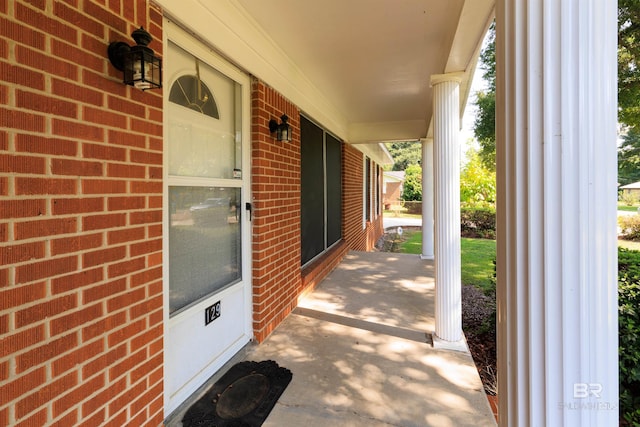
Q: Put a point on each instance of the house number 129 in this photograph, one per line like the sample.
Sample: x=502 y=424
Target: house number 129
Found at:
x=211 y=313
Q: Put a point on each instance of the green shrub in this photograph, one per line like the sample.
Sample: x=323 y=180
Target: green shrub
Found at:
x=478 y=222
x=629 y=333
x=477 y=183
x=629 y=198
x=412 y=186
x=414 y=207
x=629 y=226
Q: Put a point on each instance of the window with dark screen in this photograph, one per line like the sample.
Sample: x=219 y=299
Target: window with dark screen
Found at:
x=367 y=189
x=321 y=189
x=377 y=201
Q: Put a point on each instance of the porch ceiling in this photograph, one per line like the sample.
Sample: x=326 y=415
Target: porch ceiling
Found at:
x=373 y=59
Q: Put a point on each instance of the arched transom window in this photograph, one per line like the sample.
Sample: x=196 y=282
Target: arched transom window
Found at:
x=191 y=92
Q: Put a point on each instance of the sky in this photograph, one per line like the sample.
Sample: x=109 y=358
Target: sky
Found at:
x=467 y=139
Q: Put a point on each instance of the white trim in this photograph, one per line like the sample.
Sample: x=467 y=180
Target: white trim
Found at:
x=185 y=41
x=386 y=131
x=632 y=186
x=456 y=77
x=378 y=152
x=227 y=27
x=556 y=111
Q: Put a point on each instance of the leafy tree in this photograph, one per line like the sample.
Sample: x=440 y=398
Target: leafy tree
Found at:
x=629 y=89
x=629 y=157
x=484 y=126
x=629 y=62
x=412 y=187
x=404 y=154
x=477 y=183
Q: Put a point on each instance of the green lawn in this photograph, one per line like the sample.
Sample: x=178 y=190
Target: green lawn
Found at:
x=623 y=207
x=477 y=257
x=413 y=244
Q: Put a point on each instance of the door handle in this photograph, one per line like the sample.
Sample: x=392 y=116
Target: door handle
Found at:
x=249 y=208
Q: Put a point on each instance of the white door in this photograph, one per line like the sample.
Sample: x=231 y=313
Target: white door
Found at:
x=207 y=225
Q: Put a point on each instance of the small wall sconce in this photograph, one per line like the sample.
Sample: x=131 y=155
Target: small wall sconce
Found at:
x=282 y=130
x=140 y=67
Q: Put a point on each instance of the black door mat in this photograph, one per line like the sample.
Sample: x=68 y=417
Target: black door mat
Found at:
x=242 y=397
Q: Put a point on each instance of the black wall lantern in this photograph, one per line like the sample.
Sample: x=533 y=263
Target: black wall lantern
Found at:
x=282 y=130
x=140 y=67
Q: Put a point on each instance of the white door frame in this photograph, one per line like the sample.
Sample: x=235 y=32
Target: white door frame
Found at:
x=177 y=35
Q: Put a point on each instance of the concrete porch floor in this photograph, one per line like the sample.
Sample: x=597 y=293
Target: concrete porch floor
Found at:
x=360 y=350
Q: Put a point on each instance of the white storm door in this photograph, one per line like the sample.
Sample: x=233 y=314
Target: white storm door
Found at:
x=207 y=228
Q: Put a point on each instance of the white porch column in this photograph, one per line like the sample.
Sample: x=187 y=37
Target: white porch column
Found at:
x=446 y=159
x=556 y=172
x=427 y=198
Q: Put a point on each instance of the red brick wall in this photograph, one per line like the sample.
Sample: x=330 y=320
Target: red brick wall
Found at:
x=278 y=280
x=276 y=212
x=313 y=274
x=80 y=219
x=353 y=200
x=358 y=238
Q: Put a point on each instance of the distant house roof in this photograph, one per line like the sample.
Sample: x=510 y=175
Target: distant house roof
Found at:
x=394 y=176
x=632 y=186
